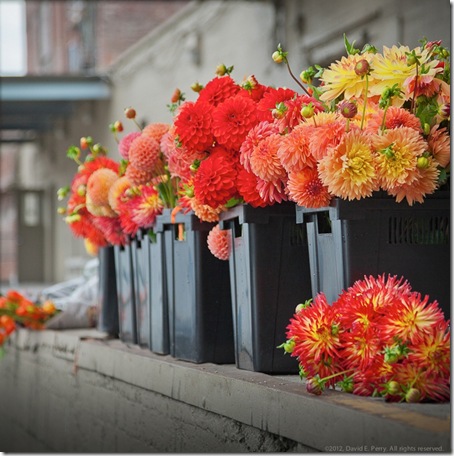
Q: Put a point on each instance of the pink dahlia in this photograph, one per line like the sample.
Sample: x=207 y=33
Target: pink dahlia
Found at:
x=264 y=160
x=125 y=144
x=219 y=242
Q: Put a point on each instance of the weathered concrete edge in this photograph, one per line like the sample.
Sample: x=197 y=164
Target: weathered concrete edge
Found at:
x=275 y=404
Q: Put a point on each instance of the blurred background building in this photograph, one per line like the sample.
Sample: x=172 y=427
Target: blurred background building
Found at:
x=88 y=60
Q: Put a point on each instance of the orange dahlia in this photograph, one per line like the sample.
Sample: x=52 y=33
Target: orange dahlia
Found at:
x=294 y=152
x=99 y=184
x=117 y=190
x=306 y=189
x=232 y=120
x=219 y=242
x=395 y=117
x=328 y=132
x=205 y=212
x=264 y=161
x=349 y=169
x=439 y=142
x=252 y=140
x=156 y=130
x=214 y=181
x=424 y=183
x=144 y=153
x=193 y=125
x=138 y=176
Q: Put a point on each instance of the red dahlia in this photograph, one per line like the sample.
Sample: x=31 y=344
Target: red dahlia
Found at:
x=214 y=182
x=232 y=121
x=218 y=90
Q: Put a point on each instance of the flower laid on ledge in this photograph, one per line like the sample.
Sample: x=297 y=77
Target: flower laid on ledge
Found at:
x=379 y=338
x=17 y=310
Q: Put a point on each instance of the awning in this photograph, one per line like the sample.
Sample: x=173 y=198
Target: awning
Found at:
x=32 y=103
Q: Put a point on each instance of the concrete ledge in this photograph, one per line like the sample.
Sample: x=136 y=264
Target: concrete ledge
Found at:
x=277 y=405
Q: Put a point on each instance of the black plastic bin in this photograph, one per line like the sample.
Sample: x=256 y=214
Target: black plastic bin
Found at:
x=374 y=236
x=107 y=292
x=269 y=275
x=159 y=309
x=126 y=293
x=198 y=287
x=140 y=249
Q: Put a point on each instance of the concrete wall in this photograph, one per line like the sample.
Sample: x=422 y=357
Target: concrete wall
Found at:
x=76 y=391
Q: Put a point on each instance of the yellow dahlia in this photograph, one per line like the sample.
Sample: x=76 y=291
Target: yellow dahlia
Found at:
x=391 y=67
x=341 y=79
x=349 y=170
x=398 y=150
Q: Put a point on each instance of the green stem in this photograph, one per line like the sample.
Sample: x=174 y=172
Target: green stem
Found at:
x=295 y=79
x=365 y=102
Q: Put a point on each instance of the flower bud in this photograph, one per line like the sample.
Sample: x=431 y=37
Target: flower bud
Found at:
x=362 y=67
x=308 y=111
x=347 y=109
x=83 y=143
x=413 y=395
x=118 y=126
x=130 y=113
x=422 y=162
x=393 y=388
x=314 y=386
x=221 y=70
x=176 y=96
x=196 y=87
x=82 y=190
x=277 y=57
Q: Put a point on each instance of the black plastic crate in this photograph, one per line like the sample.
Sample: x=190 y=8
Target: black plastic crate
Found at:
x=269 y=275
x=140 y=249
x=198 y=287
x=374 y=236
x=159 y=309
x=107 y=297
x=126 y=294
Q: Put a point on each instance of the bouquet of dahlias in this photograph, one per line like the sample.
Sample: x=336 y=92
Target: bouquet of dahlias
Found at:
x=110 y=201
x=380 y=123
x=18 y=310
x=379 y=338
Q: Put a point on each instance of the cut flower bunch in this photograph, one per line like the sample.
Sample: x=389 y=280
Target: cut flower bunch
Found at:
x=380 y=123
x=109 y=201
x=17 y=310
x=379 y=338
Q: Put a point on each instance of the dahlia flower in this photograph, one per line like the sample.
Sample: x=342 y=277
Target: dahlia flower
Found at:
x=219 y=242
x=306 y=189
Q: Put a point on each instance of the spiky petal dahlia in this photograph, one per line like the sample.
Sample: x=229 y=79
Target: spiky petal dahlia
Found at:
x=214 y=181
x=439 y=142
x=232 y=120
x=315 y=331
x=395 y=117
x=349 y=169
x=306 y=189
x=145 y=206
x=219 y=242
x=193 y=124
x=341 y=78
